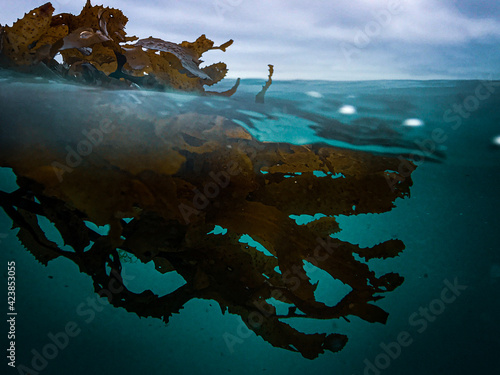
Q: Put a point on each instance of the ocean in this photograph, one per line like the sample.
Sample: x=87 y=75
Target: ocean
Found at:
x=442 y=319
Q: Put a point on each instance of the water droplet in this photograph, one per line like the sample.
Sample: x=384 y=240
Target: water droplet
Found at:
x=347 y=110
x=413 y=122
x=496 y=141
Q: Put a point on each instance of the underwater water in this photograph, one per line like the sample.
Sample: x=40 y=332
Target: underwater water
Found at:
x=443 y=319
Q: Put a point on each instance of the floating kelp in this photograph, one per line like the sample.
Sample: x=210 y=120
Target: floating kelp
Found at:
x=163 y=180
x=95 y=49
x=260 y=96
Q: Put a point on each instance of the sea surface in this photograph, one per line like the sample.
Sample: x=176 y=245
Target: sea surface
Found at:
x=447 y=310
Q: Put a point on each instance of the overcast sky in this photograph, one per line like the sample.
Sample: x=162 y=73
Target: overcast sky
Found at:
x=334 y=40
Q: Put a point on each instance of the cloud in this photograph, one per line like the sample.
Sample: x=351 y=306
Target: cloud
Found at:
x=308 y=40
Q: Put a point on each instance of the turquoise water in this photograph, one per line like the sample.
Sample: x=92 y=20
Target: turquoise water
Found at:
x=449 y=226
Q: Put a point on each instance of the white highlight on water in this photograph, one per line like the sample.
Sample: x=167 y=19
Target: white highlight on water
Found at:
x=314 y=94
x=413 y=122
x=347 y=110
x=496 y=140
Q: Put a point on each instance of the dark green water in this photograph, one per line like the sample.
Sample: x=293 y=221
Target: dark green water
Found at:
x=449 y=224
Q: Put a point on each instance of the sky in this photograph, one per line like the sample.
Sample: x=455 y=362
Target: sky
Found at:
x=329 y=40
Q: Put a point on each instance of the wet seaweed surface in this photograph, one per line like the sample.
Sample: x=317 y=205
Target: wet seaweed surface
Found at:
x=95 y=49
x=163 y=182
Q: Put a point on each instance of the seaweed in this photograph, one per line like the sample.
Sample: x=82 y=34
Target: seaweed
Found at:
x=179 y=177
x=259 y=98
x=96 y=49
x=176 y=177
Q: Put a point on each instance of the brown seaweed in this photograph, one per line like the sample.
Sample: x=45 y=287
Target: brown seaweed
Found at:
x=97 y=38
x=177 y=178
x=259 y=98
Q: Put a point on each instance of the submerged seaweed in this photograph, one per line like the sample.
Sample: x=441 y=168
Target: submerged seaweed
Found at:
x=164 y=182
x=178 y=177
